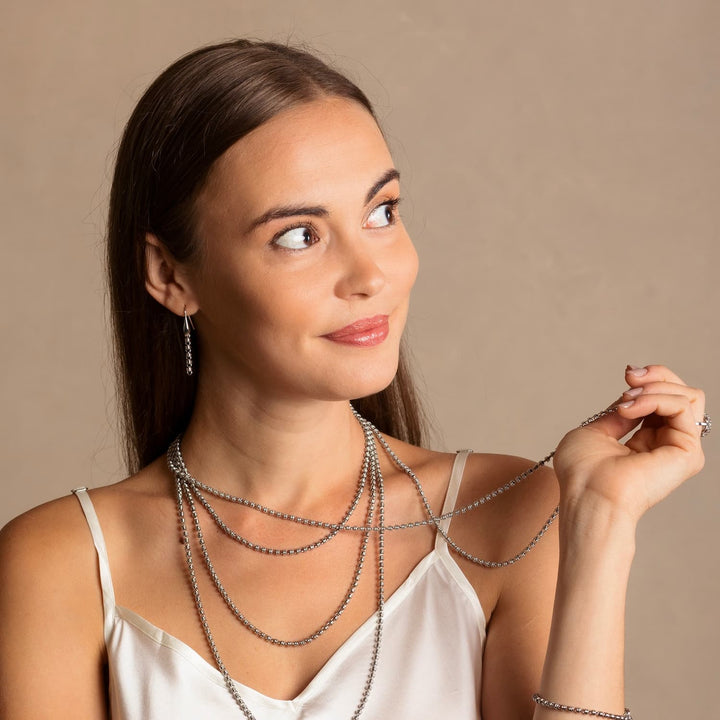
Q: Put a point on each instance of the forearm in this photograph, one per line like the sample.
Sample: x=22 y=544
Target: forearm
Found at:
x=585 y=657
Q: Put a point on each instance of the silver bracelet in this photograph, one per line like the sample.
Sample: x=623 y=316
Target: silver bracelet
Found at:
x=540 y=700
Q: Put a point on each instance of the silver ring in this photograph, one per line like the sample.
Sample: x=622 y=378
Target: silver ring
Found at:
x=706 y=425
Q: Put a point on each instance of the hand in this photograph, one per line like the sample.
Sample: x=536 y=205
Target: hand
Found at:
x=593 y=465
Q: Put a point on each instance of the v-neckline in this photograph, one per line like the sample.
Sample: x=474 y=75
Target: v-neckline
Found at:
x=316 y=683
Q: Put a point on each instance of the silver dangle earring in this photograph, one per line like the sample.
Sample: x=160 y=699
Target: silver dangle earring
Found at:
x=187 y=326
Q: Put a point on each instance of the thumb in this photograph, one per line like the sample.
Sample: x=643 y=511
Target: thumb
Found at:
x=610 y=423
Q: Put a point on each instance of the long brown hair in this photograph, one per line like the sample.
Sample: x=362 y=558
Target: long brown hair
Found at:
x=190 y=115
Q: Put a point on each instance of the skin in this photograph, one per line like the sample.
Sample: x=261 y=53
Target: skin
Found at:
x=272 y=422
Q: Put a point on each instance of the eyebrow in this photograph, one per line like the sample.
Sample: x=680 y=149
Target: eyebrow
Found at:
x=284 y=211
x=388 y=176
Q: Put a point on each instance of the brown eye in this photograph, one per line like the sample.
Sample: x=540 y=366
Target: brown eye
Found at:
x=383 y=215
x=296 y=238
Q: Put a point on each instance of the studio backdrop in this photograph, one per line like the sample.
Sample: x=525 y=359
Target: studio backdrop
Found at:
x=560 y=167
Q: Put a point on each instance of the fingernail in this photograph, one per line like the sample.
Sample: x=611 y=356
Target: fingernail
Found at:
x=633 y=392
x=626 y=404
x=635 y=370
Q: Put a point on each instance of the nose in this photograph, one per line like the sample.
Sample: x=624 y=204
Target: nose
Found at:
x=360 y=274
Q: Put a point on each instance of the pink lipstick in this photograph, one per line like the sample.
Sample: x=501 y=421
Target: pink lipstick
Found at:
x=362 y=333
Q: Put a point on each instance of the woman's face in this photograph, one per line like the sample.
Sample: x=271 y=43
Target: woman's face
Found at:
x=303 y=287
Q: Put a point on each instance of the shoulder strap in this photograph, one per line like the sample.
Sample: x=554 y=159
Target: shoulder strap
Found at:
x=106 y=585
x=458 y=468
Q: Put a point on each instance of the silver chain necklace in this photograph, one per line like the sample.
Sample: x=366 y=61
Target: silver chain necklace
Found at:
x=187 y=487
x=177 y=467
x=241 y=617
x=376 y=488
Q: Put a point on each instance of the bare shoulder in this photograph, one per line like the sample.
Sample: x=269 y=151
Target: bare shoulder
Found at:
x=515 y=505
x=46 y=542
x=50 y=609
x=516 y=497
x=516 y=492
x=519 y=493
x=54 y=539
x=51 y=603
x=517 y=501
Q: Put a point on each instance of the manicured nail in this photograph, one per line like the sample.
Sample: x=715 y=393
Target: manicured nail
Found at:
x=626 y=404
x=636 y=371
x=633 y=392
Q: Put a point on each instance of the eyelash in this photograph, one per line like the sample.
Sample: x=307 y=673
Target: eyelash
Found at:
x=306 y=225
x=392 y=203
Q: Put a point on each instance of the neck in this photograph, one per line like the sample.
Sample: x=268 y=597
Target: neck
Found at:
x=277 y=452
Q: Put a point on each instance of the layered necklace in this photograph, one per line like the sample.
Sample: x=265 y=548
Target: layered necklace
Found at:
x=190 y=491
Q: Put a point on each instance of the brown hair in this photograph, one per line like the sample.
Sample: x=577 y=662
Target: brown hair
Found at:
x=188 y=117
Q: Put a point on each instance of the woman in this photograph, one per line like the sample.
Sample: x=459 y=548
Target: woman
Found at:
x=260 y=277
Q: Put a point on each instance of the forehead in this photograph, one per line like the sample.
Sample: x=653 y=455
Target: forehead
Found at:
x=313 y=153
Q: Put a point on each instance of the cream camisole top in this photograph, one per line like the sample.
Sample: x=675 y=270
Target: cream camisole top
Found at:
x=429 y=664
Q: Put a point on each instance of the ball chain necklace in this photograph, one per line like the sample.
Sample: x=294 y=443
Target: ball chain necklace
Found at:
x=188 y=489
x=376 y=487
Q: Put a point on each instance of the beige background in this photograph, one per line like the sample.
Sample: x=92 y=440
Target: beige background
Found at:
x=561 y=167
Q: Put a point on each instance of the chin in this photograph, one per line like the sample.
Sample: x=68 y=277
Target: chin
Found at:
x=343 y=374
x=367 y=381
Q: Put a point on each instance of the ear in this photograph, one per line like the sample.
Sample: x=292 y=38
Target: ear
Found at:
x=165 y=279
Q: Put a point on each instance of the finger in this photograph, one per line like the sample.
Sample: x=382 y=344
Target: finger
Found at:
x=635 y=375
x=675 y=410
x=694 y=395
x=613 y=424
x=651 y=379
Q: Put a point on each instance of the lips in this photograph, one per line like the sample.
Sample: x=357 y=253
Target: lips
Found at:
x=365 y=332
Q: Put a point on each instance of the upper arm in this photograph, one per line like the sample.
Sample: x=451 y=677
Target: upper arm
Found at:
x=520 y=613
x=51 y=643
x=517 y=634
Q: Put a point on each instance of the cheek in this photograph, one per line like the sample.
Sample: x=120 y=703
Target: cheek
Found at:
x=234 y=300
x=279 y=309
x=404 y=263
